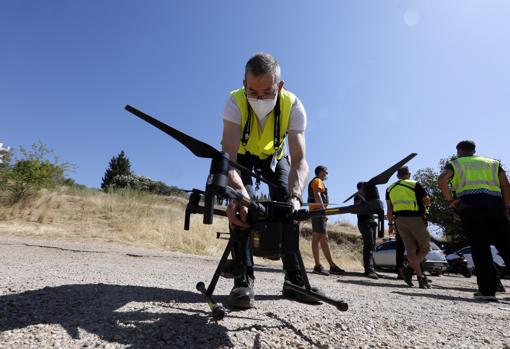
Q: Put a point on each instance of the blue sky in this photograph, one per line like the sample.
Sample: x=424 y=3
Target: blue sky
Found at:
x=379 y=79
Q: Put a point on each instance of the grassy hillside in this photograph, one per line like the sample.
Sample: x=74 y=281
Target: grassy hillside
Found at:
x=143 y=220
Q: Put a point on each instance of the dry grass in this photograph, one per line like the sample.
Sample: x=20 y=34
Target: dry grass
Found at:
x=144 y=220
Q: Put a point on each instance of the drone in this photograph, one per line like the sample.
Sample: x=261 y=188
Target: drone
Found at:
x=369 y=195
x=274 y=228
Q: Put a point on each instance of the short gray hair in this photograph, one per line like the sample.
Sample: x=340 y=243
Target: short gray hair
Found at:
x=261 y=64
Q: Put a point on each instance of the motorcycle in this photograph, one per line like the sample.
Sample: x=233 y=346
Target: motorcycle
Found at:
x=459 y=265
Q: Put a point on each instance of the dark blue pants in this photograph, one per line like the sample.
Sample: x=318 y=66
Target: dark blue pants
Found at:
x=367 y=228
x=483 y=227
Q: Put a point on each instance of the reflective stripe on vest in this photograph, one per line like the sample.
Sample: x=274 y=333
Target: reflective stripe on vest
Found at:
x=261 y=142
x=475 y=175
x=403 y=196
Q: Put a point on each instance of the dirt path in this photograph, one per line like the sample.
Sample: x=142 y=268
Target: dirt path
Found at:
x=67 y=295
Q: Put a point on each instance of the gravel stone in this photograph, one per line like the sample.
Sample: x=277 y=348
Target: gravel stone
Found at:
x=90 y=295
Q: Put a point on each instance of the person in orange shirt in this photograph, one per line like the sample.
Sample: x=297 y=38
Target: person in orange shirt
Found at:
x=318 y=199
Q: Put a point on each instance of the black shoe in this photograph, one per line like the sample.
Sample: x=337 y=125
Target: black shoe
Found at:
x=335 y=270
x=485 y=297
x=319 y=269
x=406 y=274
x=294 y=279
x=423 y=282
x=371 y=275
x=242 y=295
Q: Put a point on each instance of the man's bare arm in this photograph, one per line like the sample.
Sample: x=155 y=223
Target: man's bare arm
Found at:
x=443 y=184
x=505 y=187
x=318 y=198
x=230 y=145
x=389 y=213
x=298 y=174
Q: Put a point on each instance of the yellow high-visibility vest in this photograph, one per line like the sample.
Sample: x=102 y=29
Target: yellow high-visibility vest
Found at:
x=261 y=142
x=403 y=196
x=475 y=175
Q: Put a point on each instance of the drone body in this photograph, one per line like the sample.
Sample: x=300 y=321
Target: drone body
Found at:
x=275 y=231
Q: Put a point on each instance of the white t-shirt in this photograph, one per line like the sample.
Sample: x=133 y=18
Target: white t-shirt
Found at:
x=297 y=121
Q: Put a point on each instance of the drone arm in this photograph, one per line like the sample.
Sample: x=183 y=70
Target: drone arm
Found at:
x=194 y=207
x=200 y=210
x=235 y=195
x=303 y=214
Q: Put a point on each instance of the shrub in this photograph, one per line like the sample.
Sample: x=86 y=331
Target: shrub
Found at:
x=145 y=184
x=33 y=171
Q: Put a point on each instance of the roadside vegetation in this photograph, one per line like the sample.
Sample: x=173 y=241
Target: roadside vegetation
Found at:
x=141 y=219
x=39 y=201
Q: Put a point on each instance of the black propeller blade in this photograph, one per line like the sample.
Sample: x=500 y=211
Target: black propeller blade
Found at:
x=385 y=176
x=350 y=197
x=199 y=148
x=193 y=191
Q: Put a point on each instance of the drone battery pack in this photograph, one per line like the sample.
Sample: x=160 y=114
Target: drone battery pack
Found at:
x=273 y=239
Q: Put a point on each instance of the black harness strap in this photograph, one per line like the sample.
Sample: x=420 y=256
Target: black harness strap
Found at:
x=277 y=124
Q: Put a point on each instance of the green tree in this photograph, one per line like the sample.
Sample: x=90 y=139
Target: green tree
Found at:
x=5 y=163
x=119 y=166
x=440 y=214
x=33 y=171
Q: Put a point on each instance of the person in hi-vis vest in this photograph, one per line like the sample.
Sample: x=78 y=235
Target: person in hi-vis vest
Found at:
x=407 y=202
x=264 y=130
x=480 y=194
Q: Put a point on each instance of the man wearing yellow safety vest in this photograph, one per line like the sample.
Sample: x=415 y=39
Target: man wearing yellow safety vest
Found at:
x=407 y=201
x=481 y=196
x=261 y=120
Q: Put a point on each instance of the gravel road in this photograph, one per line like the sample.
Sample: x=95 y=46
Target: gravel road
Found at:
x=92 y=295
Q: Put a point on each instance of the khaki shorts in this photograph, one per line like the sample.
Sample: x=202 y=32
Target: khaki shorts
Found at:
x=414 y=234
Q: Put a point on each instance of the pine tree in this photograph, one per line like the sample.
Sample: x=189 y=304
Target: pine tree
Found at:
x=119 y=165
x=440 y=214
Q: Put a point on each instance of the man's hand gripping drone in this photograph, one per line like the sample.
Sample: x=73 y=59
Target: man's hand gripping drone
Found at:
x=274 y=231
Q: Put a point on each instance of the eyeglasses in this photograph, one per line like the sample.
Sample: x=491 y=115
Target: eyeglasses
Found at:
x=271 y=95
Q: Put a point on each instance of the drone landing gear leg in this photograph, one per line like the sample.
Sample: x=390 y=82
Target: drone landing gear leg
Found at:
x=218 y=311
x=307 y=290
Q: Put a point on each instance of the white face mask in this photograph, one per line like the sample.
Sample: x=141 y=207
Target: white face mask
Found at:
x=262 y=107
